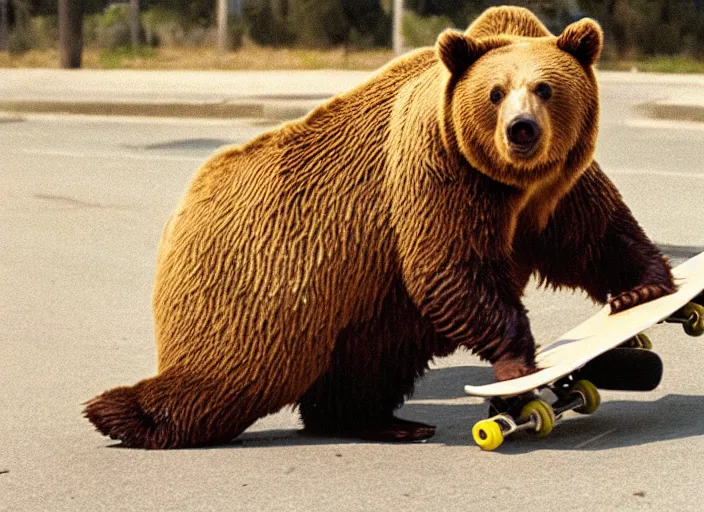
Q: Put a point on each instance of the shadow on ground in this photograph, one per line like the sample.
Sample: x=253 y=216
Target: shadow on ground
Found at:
x=187 y=144
x=617 y=424
x=679 y=253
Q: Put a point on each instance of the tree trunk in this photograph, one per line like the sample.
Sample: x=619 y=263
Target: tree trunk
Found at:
x=397 y=29
x=223 y=39
x=70 y=33
x=134 y=23
x=4 y=27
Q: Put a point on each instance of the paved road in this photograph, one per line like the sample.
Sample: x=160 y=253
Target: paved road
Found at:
x=82 y=203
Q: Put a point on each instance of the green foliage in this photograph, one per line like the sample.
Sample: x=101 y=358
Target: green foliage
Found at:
x=268 y=23
x=20 y=41
x=163 y=26
x=369 y=22
x=650 y=27
x=238 y=31
x=192 y=12
x=112 y=58
x=635 y=29
x=460 y=12
x=423 y=30
x=662 y=64
x=111 y=29
x=318 y=23
x=21 y=37
x=45 y=31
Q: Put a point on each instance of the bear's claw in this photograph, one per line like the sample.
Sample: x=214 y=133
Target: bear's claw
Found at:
x=638 y=295
x=512 y=369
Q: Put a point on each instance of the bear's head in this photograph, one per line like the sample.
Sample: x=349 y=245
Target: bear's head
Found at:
x=521 y=109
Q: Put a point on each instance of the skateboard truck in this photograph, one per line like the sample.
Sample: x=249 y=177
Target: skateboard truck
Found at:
x=691 y=316
x=532 y=414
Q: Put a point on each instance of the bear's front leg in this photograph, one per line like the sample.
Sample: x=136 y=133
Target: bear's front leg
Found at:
x=477 y=304
x=456 y=259
x=593 y=242
x=635 y=267
x=515 y=354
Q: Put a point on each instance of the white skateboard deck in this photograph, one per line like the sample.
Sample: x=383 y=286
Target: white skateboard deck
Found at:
x=599 y=334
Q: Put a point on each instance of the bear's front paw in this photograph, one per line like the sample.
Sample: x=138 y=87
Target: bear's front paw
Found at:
x=512 y=369
x=638 y=295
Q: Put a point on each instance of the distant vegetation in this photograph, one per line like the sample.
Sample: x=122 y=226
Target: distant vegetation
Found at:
x=636 y=30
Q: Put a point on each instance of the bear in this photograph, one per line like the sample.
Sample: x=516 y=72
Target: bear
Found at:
x=325 y=263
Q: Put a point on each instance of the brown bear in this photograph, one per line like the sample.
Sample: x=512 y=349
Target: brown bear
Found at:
x=326 y=262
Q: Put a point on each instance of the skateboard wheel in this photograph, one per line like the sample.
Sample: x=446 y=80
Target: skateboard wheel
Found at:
x=487 y=434
x=638 y=341
x=642 y=341
x=542 y=413
x=695 y=313
x=590 y=394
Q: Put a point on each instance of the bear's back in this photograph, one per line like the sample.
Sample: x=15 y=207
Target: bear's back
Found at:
x=290 y=231
x=507 y=20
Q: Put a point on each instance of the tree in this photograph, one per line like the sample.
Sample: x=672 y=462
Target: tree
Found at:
x=268 y=21
x=4 y=26
x=317 y=22
x=134 y=23
x=223 y=43
x=397 y=24
x=70 y=33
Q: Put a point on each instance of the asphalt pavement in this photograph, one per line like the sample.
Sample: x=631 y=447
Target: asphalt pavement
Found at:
x=83 y=200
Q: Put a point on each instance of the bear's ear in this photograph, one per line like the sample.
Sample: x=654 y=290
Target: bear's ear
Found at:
x=583 y=39
x=458 y=51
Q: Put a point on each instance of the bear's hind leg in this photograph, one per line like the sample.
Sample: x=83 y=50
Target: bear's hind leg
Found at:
x=173 y=410
x=341 y=405
x=372 y=370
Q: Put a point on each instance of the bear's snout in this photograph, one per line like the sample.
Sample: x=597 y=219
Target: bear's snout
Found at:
x=523 y=134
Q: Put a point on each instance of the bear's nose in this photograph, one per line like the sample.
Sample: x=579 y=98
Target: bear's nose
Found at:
x=523 y=132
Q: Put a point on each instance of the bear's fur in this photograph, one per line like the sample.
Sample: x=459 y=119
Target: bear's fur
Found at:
x=326 y=262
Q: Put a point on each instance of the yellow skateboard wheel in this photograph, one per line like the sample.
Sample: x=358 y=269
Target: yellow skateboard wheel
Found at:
x=591 y=396
x=487 y=434
x=542 y=413
x=695 y=312
x=642 y=341
x=638 y=341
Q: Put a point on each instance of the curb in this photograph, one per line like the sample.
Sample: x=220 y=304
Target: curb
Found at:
x=274 y=110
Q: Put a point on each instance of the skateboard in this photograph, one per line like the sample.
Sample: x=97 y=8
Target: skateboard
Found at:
x=593 y=355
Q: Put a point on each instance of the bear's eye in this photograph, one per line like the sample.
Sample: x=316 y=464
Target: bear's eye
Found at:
x=543 y=91
x=496 y=95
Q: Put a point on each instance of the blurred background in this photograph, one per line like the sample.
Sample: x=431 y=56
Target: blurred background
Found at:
x=648 y=35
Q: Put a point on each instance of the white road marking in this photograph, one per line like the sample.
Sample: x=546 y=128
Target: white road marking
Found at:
x=595 y=438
